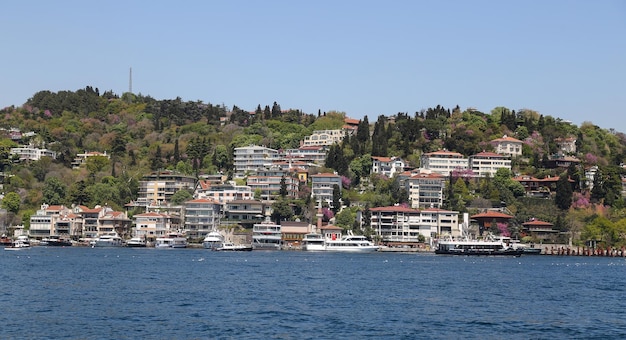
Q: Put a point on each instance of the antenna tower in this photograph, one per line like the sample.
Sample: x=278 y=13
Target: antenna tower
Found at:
x=130 y=81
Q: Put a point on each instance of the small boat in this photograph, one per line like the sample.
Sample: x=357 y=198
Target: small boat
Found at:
x=490 y=246
x=56 y=241
x=20 y=243
x=136 y=242
x=108 y=240
x=213 y=240
x=234 y=247
x=171 y=240
x=351 y=243
x=313 y=242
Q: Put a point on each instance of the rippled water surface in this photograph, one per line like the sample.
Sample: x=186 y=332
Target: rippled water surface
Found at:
x=124 y=293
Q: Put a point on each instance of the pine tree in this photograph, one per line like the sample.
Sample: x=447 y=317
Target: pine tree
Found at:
x=564 y=193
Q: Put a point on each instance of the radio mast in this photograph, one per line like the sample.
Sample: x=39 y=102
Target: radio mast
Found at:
x=130 y=81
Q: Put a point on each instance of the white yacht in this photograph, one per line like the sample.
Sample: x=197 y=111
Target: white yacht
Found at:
x=108 y=240
x=351 y=243
x=490 y=245
x=266 y=236
x=213 y=240
x=136 y=242
x=171 y=240
x=313 y=242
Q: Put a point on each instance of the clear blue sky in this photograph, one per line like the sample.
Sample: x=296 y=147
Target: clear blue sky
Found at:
x=563 y=58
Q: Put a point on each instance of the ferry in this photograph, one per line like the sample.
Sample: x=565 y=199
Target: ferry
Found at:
x=491 y=245
x=351 y=243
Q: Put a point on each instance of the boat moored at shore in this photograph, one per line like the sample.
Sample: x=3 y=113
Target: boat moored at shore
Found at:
x=108 y=240
x=56 y=241
x=313 y=242
x=213 y=240
x=171 y=240
x=351 y=243
x=491 y=245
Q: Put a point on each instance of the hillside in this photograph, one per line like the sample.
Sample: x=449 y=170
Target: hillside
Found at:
x=143 y=134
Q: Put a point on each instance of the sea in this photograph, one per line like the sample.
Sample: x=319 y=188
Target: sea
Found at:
x=126 y=293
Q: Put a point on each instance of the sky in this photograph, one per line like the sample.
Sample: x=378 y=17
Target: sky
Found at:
x=562 y=58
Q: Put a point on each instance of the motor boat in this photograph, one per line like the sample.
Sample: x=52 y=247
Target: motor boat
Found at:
x=136 y=242
x=490 y=245
x=108 y=240
x=171 y=240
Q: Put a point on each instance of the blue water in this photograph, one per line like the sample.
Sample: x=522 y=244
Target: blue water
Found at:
x=85 y=293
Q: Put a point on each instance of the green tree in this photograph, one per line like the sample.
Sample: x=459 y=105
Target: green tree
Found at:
x=564 y=193
x=77 y=193
x=283 y=188
x=336 y=199
x=181 y=196
x=54 y=191
x=281 y=210
x=96 y=164
x=11 y=202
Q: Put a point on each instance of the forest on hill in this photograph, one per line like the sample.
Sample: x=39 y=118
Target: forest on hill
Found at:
x=142 y=134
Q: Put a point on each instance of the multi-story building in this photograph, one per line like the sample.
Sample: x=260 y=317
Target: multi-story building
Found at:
x=387 y=166
x=443 y=162
x=322 y=186
x=201 y=217
x=566 y=145
x=324 y=137
x=244 y=212
x=151 y=225
x=486 y=164
x=309 y=154
x=111 y=221
x=508 y=146
x=81 y=158
x=31 y=153
x=397 y=224
x=224 y=192
x=268 y=182
x=440 y=222
x=157 y=188
x=43 y=222
x=425 y=190
x=249 y=159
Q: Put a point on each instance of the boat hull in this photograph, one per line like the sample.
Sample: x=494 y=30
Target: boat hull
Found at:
x=470 y=252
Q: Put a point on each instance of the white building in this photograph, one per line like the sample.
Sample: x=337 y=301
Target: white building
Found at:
x=314 y=154
x=401 y=224
x=508 y=146
x=388 y=166
x=425 y=190
x=250 y=158
x=29 y=153
x=486 y=164
x=201 y=217
x=322 y=186
x=157 y=188
x=324 y=137
x=151 y=225
x=224 y=192
x=443 y=162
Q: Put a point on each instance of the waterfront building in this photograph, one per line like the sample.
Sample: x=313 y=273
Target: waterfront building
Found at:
x=151 y=225
x=268 y=182
x=244 y=213
x=201 y=217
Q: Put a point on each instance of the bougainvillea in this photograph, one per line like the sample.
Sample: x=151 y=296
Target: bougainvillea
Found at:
x=503 y=229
